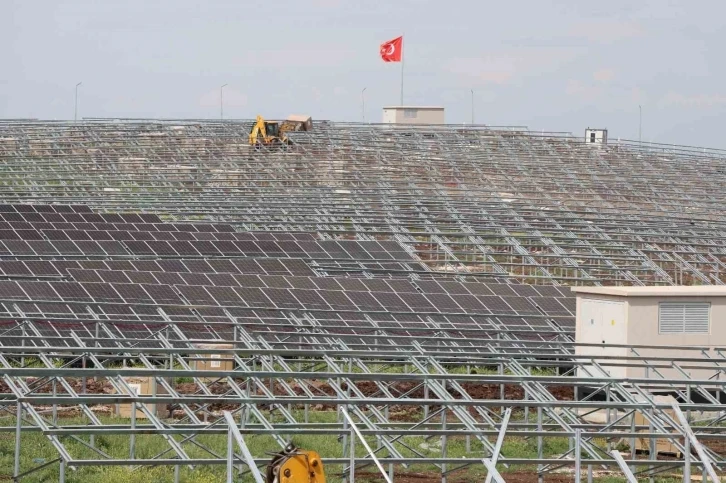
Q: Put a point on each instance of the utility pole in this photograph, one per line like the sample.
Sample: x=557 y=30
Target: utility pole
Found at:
x=363 y=103
x=221 y=101
x=75 y=111
x=640 y=124
x=472 y=106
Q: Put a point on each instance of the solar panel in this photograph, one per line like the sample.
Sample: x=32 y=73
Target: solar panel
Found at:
x=132 y=293
x=224 y=295
x=90 y=248
x=470 y=303
x=138 y=247
x=144 y=278
x=495 y=304
x=101 y=292
x=477 y=288
x=337 y=300
x=351 y=284
x=364 y=300
x=417 y=302
x=169 y=278
x=112 y=248
x=41 y=268
x=205 y=247
x=38 y=290
x=521 y=305
x=70 y=291
x=146 y=265
x=222 y=279
x=198 y=266
x=301 y=282
x=443 y=302
x=85 y=275
x=11 y=267
x=550 y=305
x=501 y=289
x=254 y=297
x=281 y=297
x=311 y=299
x=162 y=294
x=547 y=290
x=272 y=266
x=327 y=283
x=113 y=276
x=195 y=279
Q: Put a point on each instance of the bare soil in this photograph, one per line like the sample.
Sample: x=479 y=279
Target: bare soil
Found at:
x=402 y=412
x=433 y=477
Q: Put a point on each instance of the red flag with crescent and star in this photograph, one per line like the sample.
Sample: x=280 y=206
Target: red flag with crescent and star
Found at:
x=392 y=50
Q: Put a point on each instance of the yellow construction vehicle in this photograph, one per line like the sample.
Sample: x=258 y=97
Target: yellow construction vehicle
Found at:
x=293 y=465
x=274 y=133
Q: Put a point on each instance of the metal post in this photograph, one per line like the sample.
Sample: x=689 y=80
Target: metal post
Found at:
x=221 y=101
x=363 y=103
x=540 y=475
x=351 y=456
x=230 y=456
x=472 y=107
x=18 y=426
x=500 y=442
x=62 y=471
x=132 y=437
x=578 y=442
x=75 y=111
x=443 y=442
x=640 y=124
x=624 y=467
x=632 y=439
x=371 y=453
x=687 y=461
x=653 y=451
x=401 y=70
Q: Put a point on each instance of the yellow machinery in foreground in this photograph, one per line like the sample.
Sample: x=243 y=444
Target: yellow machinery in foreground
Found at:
x=274 y=133
x=293 y=465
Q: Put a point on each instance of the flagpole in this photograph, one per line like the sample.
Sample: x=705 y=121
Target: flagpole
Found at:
x=402 y=69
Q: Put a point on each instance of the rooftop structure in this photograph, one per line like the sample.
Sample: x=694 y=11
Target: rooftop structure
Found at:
x=426 y=115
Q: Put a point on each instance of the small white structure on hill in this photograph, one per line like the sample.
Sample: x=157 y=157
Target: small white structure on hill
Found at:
x=676 y=317
x=596 y=136
x=413 y=115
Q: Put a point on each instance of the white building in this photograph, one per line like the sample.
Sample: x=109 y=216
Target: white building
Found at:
x=596 y=136
x=677 y=318
x=413 y=115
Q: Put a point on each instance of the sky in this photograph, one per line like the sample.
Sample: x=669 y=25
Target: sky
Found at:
x=549 y=65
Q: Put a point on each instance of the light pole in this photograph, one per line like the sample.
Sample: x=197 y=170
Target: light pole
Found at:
x=472 y=106
x=640 y=124
x=75 y=111
x=221 y=101
x=363 y=103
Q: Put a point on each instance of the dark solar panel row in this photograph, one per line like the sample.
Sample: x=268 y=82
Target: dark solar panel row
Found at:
x=196 y=290
x=148 y=243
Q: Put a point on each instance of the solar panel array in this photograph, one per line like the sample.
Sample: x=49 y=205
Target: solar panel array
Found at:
x=366 y=268
x=507 y=202
x=66 y=268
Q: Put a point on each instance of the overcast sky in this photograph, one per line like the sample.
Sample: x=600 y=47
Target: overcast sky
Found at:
x=558 y=66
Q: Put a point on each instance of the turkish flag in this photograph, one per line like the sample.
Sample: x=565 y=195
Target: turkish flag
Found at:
x=392 y=51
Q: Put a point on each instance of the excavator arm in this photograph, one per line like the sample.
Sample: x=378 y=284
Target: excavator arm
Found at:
x=258 y=132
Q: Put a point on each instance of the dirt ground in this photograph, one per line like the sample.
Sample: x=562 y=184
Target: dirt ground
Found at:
x=513 y=477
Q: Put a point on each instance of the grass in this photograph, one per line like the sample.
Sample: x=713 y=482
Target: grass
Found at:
x=37 y=449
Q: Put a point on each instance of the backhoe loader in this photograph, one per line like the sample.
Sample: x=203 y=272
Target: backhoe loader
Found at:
x=274 y=134
x=293 y=465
